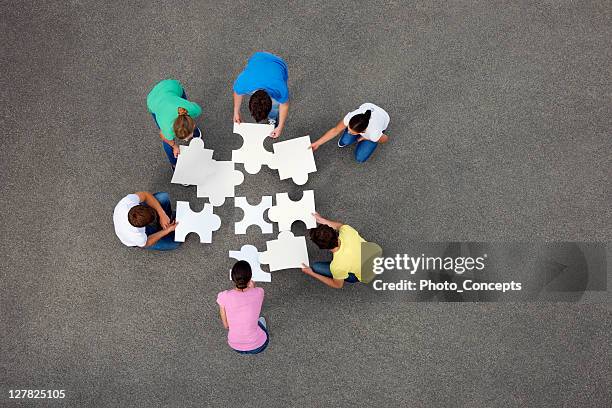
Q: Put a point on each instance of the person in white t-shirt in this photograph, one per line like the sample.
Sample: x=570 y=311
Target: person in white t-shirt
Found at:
x=145 y=220
x=366 y=126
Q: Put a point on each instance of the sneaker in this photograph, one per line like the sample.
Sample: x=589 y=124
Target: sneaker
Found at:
x=262 y=320
x=341 y=145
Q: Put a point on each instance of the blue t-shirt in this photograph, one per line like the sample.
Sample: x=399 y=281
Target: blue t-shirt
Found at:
x=264 y=71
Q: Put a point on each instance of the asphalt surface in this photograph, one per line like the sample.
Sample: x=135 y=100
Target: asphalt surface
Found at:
x=500 y=131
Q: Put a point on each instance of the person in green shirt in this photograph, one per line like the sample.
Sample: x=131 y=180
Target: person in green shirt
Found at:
x=174 y=116
x=344 y=242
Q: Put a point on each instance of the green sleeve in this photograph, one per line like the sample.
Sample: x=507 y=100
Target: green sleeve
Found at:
x=168 y=132
x=194 y=110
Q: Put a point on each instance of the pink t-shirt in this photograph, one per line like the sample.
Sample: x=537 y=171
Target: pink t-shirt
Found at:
x=242 y=309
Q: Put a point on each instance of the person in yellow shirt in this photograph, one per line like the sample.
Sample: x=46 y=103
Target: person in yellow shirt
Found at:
x=344 y=242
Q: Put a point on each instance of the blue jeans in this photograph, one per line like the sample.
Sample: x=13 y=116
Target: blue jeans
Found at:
x=260 y=348
x=167 y=148
x=364 y=149
x=322 y=268
x=166 y=243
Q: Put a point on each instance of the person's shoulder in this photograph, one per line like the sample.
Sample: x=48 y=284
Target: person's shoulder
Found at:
x=258 y=290
x=221 y=296
x=128 y=201
x=346 y=228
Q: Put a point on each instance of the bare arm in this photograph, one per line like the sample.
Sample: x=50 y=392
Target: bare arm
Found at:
x=223 y=317
x=151 y=201
x=334 y=224
x=329 y=135
x=237 y=103
x=283 y=112
x=172 y=143
x=153 y=238
x=332 y=283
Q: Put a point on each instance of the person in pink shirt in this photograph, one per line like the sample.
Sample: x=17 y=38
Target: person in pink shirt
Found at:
x=240 y=308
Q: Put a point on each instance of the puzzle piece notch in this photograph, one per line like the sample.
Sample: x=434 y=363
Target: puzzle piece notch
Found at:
x=202 y=223
x=286 y=252
x=250 y=254
x=252 y=153
x=194 y=164
x=294 y=159
x=286 y=211
x=221 y=183
x=253 y=215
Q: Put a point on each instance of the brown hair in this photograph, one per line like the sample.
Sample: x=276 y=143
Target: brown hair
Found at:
x=241 y=274
x=141 y=215
x=184 y=125
x=260 y=105
x=324 y=236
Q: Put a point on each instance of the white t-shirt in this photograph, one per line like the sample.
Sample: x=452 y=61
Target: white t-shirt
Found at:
x=378 y=121
x=127 y=233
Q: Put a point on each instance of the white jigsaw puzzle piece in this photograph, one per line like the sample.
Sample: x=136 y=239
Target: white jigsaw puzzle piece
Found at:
x=202 y=223
x=286 y=211
x=288 y=251
x=253 y=215
x=294 y=159
x=252 y=153
x=194 y=164
x=221 y=183
x=250 y=254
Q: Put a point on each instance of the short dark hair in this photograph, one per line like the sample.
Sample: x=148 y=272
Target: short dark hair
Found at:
x=241 y=274
x=324 y=236
x=260 y=105
x=359 y=123
x=141 y=215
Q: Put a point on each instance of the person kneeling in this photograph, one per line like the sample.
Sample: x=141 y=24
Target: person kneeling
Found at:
x=144 y=220
x=240 y=308
x=344 y=242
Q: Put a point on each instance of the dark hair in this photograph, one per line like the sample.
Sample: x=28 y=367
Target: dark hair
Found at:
x=260 y=105
x=359 y=123
x=184 y=125
x=141 y=215
x=324 y=236
x=241 y=274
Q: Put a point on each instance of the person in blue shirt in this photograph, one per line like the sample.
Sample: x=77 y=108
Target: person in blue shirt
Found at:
x=265 y=79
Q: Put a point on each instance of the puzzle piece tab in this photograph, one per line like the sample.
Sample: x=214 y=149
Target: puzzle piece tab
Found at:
x=202 y=223
x=253 y=215
x=250 y=254
x=221 y=183
x=286 y=211
x=252 y=154
x=288 y=251
x=194 y=164
x=294 y=159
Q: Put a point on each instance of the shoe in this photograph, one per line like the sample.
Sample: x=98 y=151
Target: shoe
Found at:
x=341 y=145
x=262 y=320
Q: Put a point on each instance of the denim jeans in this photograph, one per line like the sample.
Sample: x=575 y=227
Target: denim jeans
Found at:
x=167 y=148
x=166 y=243
x=260 y=348
x=364 y=149
x=322 y=268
